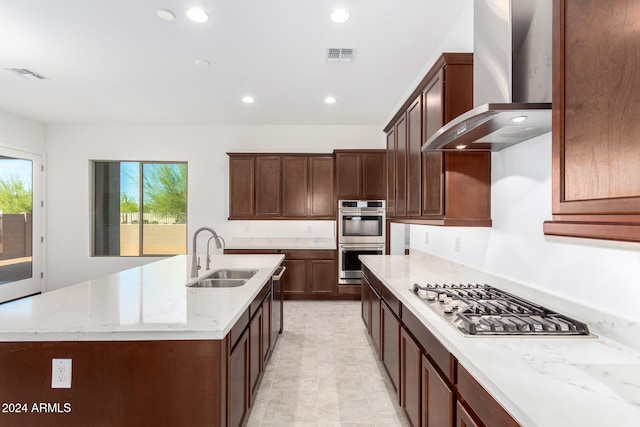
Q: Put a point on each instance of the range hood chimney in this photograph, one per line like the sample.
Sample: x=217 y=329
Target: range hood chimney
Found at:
x=511 y=78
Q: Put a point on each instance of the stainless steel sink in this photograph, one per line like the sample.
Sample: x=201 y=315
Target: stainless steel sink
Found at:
x=218 y=283
x=232 y=273
x=225 y=278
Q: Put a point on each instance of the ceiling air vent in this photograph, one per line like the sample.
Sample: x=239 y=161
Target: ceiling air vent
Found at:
x=27 y=73
x=340 y=55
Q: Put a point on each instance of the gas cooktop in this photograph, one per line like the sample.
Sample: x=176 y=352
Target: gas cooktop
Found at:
x=485 y=310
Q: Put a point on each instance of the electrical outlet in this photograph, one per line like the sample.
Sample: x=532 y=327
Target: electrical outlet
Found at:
x=60 y=373
x=457 y=243
x=309 y=229
x=246 y=229
x=426 y=237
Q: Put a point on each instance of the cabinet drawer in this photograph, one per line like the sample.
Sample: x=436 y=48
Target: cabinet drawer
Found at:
x=443 y=360
x=239 y=327
x=312 y=254
x=391 y=300
x=257 y=301
x=481 y=402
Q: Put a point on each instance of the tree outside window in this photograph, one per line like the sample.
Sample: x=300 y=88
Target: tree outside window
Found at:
x=140 y=208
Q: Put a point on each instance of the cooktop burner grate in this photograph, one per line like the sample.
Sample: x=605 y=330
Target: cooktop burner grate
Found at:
x=486 y=310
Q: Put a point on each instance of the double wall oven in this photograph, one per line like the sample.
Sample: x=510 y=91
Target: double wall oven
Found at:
x=361 y=231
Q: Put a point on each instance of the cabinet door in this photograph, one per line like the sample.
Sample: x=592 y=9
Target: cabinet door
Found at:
x=365 y=300
x=349 y=175
x=401 y=166
x=410 y=378
x=321 y=200
x=241 y=186
x=266 y=330
x=374 y=178
x=376 y=319
x=255 y=350
x=323 y=276
x=390 y=349
x=295 y=172
x=238 y=393
x=438 y=398
x=391 y=173
x=464 y=418
x=268 y=186
x=433 y=119
x=294 y=282
x=414 y=157
x=595 y=133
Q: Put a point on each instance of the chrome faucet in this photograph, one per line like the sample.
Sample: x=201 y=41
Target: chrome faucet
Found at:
x=218 y=239
x=195 y=260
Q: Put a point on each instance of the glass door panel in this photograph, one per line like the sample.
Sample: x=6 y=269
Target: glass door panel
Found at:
x=20 y=231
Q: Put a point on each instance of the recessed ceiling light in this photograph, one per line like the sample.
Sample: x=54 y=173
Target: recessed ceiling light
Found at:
x=202 y=63
x=461 y=147
x=248 y=99
x=340 y=16
x=330 y=100
x=197 y=15
x=165 y=14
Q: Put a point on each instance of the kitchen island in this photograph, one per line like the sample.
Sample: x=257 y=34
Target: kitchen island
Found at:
x=145 y=348
x=539 y=381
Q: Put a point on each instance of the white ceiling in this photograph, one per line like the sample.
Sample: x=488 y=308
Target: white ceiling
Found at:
x=115 y=61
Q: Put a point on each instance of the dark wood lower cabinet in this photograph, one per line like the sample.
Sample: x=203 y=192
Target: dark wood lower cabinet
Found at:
x=311 y=274
x=255 y=349
x=390 y=349
x=376 y=320
x=438 y=397
x=434 y=390
x=410 y=378
x=464 y=418
x=238 y=401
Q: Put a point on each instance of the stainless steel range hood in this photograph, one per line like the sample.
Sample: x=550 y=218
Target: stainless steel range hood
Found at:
x=511 y=78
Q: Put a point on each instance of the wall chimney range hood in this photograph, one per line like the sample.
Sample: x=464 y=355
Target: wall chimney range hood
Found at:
x=511 y=78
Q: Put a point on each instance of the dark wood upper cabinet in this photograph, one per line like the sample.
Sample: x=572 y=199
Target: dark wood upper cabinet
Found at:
x=295 y=181
x=437 y=188
x=268 y=186
x=241 y=186
x=401 y=166
x=391 y=173
x=281 y=186
x=596 y=103
x=374 y=181
x=321 y=196
x=360 y=174
x=414 y=157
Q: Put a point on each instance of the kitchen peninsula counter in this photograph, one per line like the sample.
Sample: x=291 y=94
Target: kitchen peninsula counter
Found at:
x=540 y=381
x=150 y=302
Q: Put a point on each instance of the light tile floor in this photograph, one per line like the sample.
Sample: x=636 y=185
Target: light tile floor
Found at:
x=323 y=372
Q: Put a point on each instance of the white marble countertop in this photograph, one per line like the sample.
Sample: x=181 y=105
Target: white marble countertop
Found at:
x=308 y=243
x=150 y=302
x=553 y=381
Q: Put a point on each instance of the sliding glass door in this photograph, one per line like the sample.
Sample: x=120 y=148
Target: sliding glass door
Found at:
x=20 y=224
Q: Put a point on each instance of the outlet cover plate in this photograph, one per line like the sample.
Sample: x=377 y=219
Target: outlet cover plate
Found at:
x=60 y=373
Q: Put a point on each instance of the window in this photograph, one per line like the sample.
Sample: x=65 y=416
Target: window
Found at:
x=139 y=208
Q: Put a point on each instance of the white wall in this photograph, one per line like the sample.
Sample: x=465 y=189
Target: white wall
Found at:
x=602 y=275
x=71 y=148
x=20 y=133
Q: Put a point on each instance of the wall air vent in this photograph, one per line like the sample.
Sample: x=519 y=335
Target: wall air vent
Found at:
x=340 y=55
x=26 y=73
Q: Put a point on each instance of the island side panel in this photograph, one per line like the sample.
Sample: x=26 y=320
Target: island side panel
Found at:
x=124 y=383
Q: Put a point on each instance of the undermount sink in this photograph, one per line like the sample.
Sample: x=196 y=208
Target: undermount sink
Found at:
x=225 y=278
x=232 y=273
x=218 y=283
